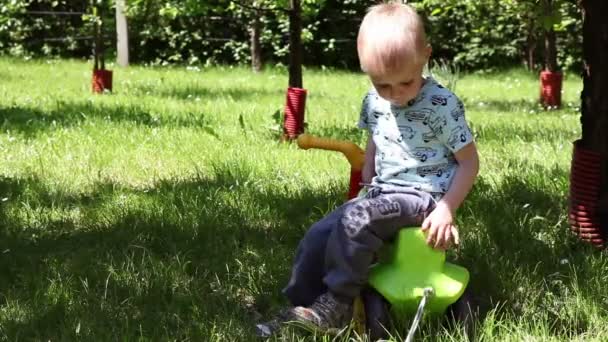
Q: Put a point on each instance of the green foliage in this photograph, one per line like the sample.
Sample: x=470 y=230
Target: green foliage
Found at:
x=482 y=34
x=570 y=38
x=188 y=31
x=27 y=34
x=489 y=33
x=473 y=34
x=10 y=25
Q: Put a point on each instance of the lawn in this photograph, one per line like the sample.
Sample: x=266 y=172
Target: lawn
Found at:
x=169 y=210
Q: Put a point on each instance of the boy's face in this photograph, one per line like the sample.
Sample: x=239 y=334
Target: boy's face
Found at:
x=400 y=85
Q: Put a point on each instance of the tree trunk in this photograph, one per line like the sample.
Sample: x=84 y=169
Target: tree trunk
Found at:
x=295 y=44
x=594 y=102
x=531 y=46
x=550 y=51
x=122 y=36
x=256 y=49
x=550 y=45
x=100 y=62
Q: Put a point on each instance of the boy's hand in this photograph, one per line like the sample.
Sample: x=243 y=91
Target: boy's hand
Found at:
x=440 y=229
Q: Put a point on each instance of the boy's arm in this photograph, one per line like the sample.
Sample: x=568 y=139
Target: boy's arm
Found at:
x=369 y=166
x=440 y=223
x=468 y=167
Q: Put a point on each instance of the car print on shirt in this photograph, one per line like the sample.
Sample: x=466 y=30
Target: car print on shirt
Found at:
x=457 y=112
x=458 y=135
x=420 y=115
x=437 y=100
x=436 y=170
x=428 y=136
x=423 y=153
x=370 y=119
x=437 y=123
x=407 y=132
x=398 y=139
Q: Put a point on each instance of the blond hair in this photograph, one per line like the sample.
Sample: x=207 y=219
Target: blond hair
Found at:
x=390 y=34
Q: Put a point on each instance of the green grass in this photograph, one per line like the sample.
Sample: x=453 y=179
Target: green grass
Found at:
x=168 y=210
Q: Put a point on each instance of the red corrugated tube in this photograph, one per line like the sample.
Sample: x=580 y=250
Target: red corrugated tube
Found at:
x=551 y=88
x=295 y=104
x=585 y=180
x=102 y=80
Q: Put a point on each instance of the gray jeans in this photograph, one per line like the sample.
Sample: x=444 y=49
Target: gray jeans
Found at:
x=337 y=251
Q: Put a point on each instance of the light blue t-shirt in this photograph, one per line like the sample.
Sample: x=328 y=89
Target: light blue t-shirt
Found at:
x=415 y=144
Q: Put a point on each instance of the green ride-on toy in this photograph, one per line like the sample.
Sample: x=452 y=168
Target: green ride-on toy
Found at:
x=410 y=276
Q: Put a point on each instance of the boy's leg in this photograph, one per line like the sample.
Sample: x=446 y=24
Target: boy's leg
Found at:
x=306 y=282
x=363 y=228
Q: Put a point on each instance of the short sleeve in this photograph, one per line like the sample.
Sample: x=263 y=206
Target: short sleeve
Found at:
x=365 y=110
x=449 y=124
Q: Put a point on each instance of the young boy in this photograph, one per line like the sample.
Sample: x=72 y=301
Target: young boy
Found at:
x=420 y=164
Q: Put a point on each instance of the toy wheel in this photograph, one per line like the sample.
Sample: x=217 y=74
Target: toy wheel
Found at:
x=464 y=313
x=377 y=314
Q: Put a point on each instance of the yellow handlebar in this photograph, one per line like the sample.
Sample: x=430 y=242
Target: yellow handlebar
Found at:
x=352 y=152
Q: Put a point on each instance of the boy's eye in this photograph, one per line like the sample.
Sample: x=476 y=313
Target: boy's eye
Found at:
x=406 y=83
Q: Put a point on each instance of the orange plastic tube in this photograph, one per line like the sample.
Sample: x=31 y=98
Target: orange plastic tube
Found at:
x=353 y=153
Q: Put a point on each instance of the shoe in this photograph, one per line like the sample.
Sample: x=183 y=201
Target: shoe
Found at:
x=270 y=328
x=327 y=314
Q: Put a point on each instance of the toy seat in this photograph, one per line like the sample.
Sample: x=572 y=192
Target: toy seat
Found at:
x=410 y=265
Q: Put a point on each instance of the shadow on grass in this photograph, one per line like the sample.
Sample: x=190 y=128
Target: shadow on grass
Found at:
x=516 y=238
x=187 y=259
x=178 y=260
x=502 y=216
x=30 y=121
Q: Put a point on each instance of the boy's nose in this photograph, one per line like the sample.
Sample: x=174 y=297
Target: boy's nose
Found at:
x=393 y=94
